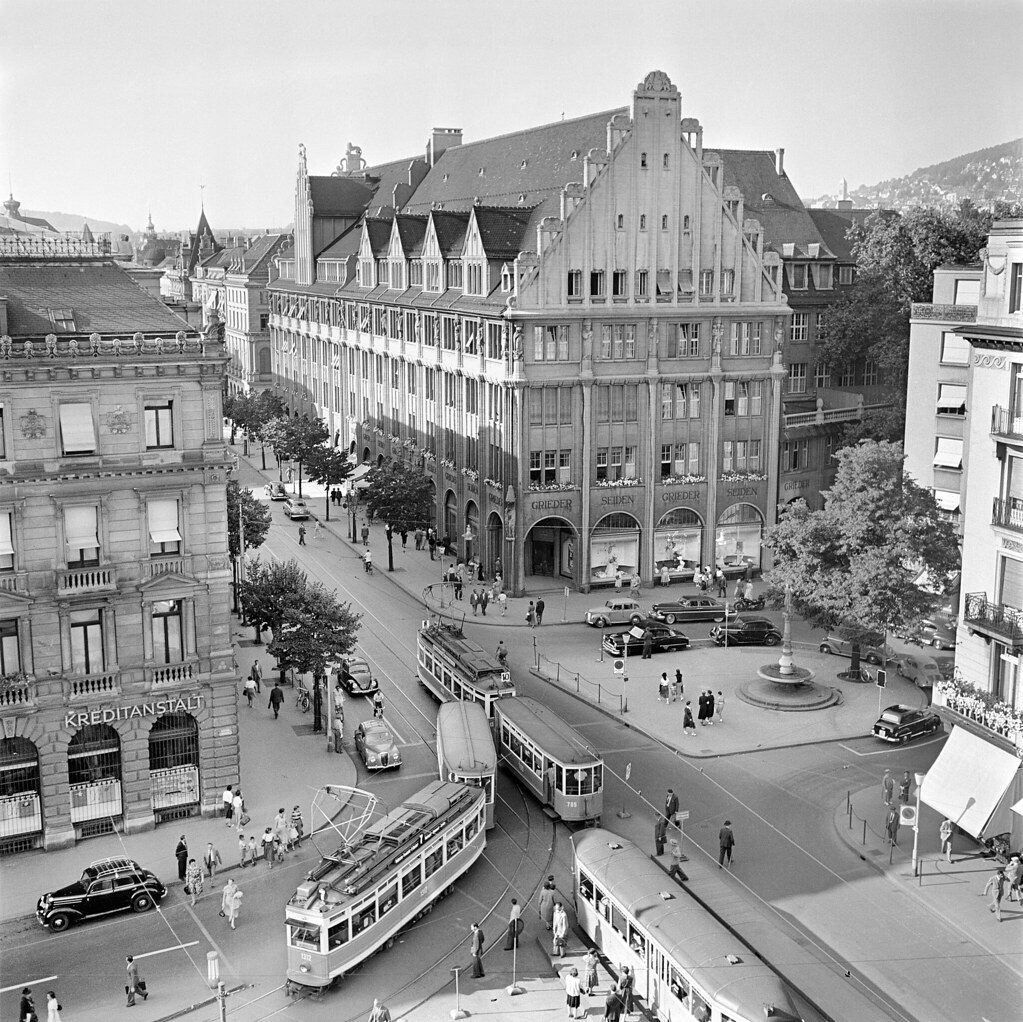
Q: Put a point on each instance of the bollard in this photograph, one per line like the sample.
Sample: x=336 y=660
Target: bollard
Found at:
x=559 y=673
x=848 y=800
x=577 y=682
x=864 y=832
x=850 y=817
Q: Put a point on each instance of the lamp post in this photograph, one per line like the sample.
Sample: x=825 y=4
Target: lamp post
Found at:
x=919 y=778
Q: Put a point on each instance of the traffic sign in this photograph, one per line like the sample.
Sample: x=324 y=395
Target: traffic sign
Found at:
x=619 y=666
x=907 y=816
x=882 y=677
x=682 y=814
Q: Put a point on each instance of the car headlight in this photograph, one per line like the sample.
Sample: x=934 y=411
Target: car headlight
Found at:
x=372 y=757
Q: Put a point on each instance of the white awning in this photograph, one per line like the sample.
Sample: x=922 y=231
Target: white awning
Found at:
x=77 y=432
x=951 y=399
x=6 y=546
x=163 y=521
x=949 y=453
x=361 y=471
x=80 y=526
x=968 y=781
x=948 y=500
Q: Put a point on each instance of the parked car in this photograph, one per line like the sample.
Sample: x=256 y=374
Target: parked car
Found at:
x=375 y=745
x=843 y=647
x=295 y=508
x=746 y=631
x=690 y=608
x=662 y=639
x=356 y=677
x=900 y=723
x=105 y=887
x=277 y=491
x=939 y=633
x=923 y=671
x=619 y=610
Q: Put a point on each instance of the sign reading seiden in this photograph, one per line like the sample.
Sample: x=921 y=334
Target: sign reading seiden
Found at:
x=153 y=709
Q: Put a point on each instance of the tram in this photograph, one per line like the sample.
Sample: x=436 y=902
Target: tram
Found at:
x=550 y=758
x=687 y=964
x=465 y=749
x=454 y=667
x=359 y=897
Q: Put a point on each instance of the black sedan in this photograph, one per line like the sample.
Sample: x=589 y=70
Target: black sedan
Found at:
x=662 y=639
x=900 y=723
x=694 y=608
x=746 y=631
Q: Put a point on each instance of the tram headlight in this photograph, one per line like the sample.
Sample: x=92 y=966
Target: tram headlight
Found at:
x=304 y=968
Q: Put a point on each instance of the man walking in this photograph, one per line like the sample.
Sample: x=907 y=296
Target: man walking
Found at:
x=676 y=862
x=211 y=859
x=276 y=699
x=136 y=984
x=887 y=787
x=476 y=951
x=678 y=688
x=365 y=533
x=539 y=611
x=256 y=674
x=996 y=885
x=726 y=842
x=301 y=535
x=432 y=544
x=380 y=1012
x=514 y=926
x=670 y=805
x=181 y=854
x=648 y=644
x=660 y=835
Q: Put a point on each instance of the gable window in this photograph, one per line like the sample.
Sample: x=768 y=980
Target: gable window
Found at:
x=81 y=528
x=164 y=538
x=77 y=432
x=845 y=274
x=797 y=276
x=728 y=282
x=642 y=284
x=824 y=277
x=597 y=284
x=575 y=285
x=507 y=279
x=432 y=277
x=382 y=275
x=475 y=279
x=415 y=273
x=159 y=425
x=6 y=542
x=619 y=284
x=87 y=641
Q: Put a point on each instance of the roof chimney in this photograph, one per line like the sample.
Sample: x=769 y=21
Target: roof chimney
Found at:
x=442 y=138
x=779 y=162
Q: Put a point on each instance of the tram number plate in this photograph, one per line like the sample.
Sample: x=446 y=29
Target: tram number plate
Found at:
x=572 y=805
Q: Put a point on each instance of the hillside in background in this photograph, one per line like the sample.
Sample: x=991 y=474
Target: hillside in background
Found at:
x=74 y=222
x=983 y=177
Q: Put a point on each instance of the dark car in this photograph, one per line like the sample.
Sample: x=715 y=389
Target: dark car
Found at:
x=690 y=608
x=900 y=723
x=662 y=639
x=356 y=678
x=105 y=887
x=277 y=491
x=376 y=746
x=746 y=631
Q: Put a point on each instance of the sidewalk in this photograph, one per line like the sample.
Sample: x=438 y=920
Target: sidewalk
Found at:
x=290 y=777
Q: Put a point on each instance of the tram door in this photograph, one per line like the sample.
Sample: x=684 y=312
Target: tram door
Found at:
x=550 y=782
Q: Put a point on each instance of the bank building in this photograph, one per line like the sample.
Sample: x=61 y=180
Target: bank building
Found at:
x=575 y=331
x=117 y=674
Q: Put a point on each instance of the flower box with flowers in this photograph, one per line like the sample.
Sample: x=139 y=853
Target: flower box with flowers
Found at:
x=686 y=480
x=394 y=439
x=552 y=487
x=983 y=707
x=614 y=484
x=470 y=473
x=427 y=455
x=365 y=424
x=493 y=483
x=742 y=477
x=447 y=463
x=410 y=444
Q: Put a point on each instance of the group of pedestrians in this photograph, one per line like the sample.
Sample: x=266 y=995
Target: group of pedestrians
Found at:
x=711 y=706
x=27 y=1010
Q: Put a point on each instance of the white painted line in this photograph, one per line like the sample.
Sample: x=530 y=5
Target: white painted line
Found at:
x=209 y=938
x=27 y=983
x=164 y=950
x=887 y=749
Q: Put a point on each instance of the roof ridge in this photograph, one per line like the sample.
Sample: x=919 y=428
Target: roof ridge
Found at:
x=536 y=127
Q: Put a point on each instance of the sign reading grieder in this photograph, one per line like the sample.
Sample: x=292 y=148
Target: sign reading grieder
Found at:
x=153 y=709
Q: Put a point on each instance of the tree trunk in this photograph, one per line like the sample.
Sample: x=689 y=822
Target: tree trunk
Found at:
x=854 y=667
x=262 y=454
x=390 y=551
x=326 y=501
x=300 y=478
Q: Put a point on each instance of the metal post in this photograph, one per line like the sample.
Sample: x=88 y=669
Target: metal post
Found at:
x=864 y=832
x=457 y=1011
x=625 y=694
x=918 y=777
x=514 y=988
x=222 y=999
x=564 y=612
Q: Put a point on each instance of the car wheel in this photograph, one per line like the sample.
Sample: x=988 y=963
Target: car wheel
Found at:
x=935 y=726
x=600 y=622
x=141 y=903
x=670 y=618
x=903 y=739
x=770 y=640
x=936 y=643
x=635 y=619
x=58 y=922
x=899 y=671
x=824 y=648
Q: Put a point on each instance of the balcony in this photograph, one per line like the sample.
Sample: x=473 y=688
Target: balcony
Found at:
x=79 y=581
x=155 y=567
x=1008 y=514
x=94 y=686
x=172 y=675
x=17 y=691
x=995 y=620
x=14 y=582
x=1006 y=424
x=823 y=416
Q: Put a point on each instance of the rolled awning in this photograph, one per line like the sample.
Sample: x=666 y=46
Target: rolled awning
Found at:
x=359 y=472
x=968 y=781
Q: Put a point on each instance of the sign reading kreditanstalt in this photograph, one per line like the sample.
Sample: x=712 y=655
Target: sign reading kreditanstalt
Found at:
x=154 y=709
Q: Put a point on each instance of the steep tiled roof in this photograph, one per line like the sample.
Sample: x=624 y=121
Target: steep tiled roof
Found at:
x=456 y=179
x=450 y=232
x=221 y=259
x=411 y=231
x=102 y=297
x=340 y=248
x=379 y=234
x=259 y=252
x=504 y=232
x=385 y=176
x=833 y=223
x=339 y=196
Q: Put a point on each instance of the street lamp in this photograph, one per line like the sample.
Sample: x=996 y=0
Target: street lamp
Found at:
x=919 y=778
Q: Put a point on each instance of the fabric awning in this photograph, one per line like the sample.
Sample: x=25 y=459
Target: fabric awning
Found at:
x=949 y=453
x=77 y=432
x=948 y=500
x=951 y=399
x=163 y=521
x=968 y=781
x=80 y=527
x=358 y=473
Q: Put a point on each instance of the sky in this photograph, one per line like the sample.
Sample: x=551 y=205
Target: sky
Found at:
x=115 y=108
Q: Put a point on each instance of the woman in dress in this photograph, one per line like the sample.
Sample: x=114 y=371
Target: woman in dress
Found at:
x=688 y=724
x=194 y=880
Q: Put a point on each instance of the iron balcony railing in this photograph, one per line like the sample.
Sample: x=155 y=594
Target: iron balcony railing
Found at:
x=1008 y=514
x=1005 y=422
x=998 y=620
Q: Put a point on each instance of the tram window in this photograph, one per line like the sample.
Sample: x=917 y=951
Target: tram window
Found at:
x=598 y=779
x=514 y=745
x=603 y=905
x=618 y=921
x=637 y=941
x=363 y=917
x=679 y=986
x=336 y=935
x=455 y=844
x=727 y=1018
x=565 y=781
x=411 y=880
x=388 y=899
x=456 y=687
x=585 y=888
x=471 y=829
x=434 y=861
x=488 y=787
x=700 y=1008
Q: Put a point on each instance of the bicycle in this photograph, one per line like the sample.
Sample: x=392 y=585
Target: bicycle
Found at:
x=303 y=700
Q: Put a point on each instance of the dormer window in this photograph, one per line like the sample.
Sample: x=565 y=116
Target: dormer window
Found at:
x=415 y=273
x=454 y=274
x=507 y=279
x=797 y=276
x=63 y=320
x=382 y=275
x=642 y=159
x=474 y=279
x=432 y=277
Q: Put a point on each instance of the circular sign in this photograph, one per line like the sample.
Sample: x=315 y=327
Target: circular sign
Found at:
x=619 y=665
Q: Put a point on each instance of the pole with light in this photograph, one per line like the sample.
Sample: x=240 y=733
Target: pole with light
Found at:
x=919 y=778
x=216 y=983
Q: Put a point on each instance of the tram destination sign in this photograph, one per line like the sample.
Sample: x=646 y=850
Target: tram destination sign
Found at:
x=153 y=709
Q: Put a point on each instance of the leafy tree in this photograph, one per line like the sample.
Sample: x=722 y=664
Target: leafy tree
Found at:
x=852 y=566
x=268 y=591
x=330 y=466
x=300 y=437
x=266 y=406
x=315 y=630
x=400 y=496
x=271 y=434
x=255 y=518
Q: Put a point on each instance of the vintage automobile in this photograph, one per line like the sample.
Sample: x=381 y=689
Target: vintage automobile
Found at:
x=941 y=633
x=746 y=631
x=843 y=647
x=923 y=671
x=276 y=491
x=295 y=508
x=619 y=610
x=375 y=745
x=662 y=639
x=900 y=723
x=690 y=608
x=355 y=676
x=107 y=886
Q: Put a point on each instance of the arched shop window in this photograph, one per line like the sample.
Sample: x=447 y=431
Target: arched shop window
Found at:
x=678 y=542
x=739 y=535
x=614 y=549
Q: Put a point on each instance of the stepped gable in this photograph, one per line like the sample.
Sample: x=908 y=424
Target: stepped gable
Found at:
x=100 y=295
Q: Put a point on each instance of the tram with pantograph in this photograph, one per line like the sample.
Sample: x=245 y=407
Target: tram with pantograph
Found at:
x=452 y=666
x=465 y=748
x=550 y=758
x=358 y=898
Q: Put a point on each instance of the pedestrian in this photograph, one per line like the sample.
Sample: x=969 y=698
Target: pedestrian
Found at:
x=625 y=986
x=317 y=706
x=194 y=883
x=27 y=1009
x=726 y=842
x=701 y=702
x=710 y=706
x=589 y=983
x=613 y=1005
x=887 y=787
x=276 y=699
x=228 y=800
x=665 y=576
x=1013 y=876
x=498 y=568
x=417 y=538
x=747 y=592
x=648 y=643
x=338 y=727
x=266 y=843
x=136 y=984
x=249 y=688
x=301 y=535
x=545 y=904
x=634 y=585
x=458 y=583
x=378 y=705
x=559 y=925
x=281 y=826
x=891 y=826
x=905 y=788
x=514 y=925
x=719 y=707
x=737 y=591
x=256 y=673
x=572 y=992
x=53 y=1007
x=432 y=544
x=670 y=805
x=364 y=532
x=945 y=831
x=531 y=615
x=502 y=600
x=539 y=611
x=211 y=859
x=404 y=541
x=297 y=823
x=291 y=473
x=241 y=849
x=476 y=951
x=240 y=818
x=719 y=577
x=996 y=884
x=688 y=725
x=618 y=582
x=663 y=688
x=231 y=902
x=316 y=530
x=251 y=855
x=676 y=862
x=473 y=601
x=678 y=688
x=485 y=598
x=181 y=854
x=660 y=835
x=380 y=1012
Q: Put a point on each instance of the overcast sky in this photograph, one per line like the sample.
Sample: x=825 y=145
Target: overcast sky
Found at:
x=110 y=108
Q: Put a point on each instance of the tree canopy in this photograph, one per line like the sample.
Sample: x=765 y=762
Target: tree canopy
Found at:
x=399 y=495
x=256 y=518
x=852 y=566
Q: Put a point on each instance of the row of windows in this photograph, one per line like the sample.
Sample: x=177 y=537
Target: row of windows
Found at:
x=471 y=277
x=597 y=284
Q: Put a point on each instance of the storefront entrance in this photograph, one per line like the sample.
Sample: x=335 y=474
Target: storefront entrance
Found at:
x=678 y=541
x=494 y=543
x=20 y=790
x=94 y=775
x=174 y=765
x=550 y=549
x=451 y=518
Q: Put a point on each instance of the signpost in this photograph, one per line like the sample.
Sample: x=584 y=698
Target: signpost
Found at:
x=681 y=818
x=623 y=813
x=881 y=680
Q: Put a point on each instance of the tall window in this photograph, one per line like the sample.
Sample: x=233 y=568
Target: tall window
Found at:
x=77 y=431
x=6 y=542
x=797 y=276
x=955 y=350
x=167 y=646
x=642 y=284
x=728 y=282
x=845 y=274
x=797 y=377
x=1016 y=287
x=159 y=427
x=3 y=435
x=10 y=655
x=799 y=326
x=619 y=284
x=822 y=375
x=794 y=455
x=575 y=285
x=164 y=537
x=706 y=282
x=550 y=343
x=597 y=287
x=81 y=526
x=87 y=641
x=687 y=340
x=618 y=340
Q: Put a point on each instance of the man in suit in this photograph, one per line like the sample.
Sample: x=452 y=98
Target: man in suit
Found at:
x=476 y=951
x=726 y=842
x=670 y=805
x=135 y=984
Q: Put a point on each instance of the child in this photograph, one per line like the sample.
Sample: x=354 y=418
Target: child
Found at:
x=250 y=689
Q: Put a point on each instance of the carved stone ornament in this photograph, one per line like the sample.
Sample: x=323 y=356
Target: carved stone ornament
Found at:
x=5 y=346
x=72 y=347
x=33 y=425
x=51 y=345
x=990 y=361
x=119 y=421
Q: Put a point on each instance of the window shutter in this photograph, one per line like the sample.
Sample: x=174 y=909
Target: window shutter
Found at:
x=163 y=521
